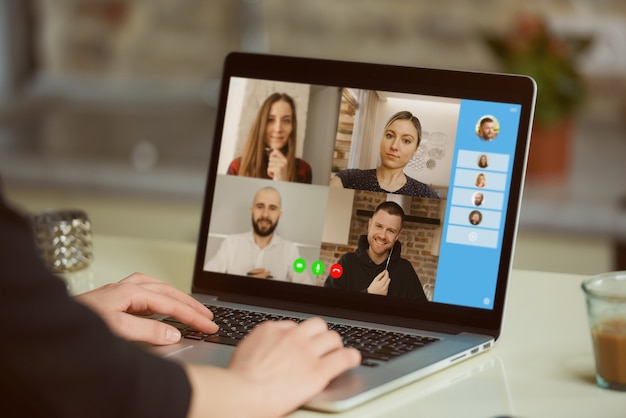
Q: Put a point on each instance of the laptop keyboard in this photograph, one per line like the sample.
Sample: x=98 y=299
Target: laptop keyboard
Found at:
x=375 y=345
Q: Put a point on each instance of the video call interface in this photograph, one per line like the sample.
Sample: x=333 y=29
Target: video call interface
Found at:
x=395 y=195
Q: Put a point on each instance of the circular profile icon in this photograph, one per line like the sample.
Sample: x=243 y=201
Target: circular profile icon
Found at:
x=487 y=128
x=483 y=161
x=481 y=180
x=475 y=217
x=478 y=198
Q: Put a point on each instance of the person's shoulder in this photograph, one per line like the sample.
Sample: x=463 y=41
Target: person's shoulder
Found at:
x=405 y=264
x=304 y=172
x=350 y=254
x=355 y=173
x=283 y=244
x=356 y=170
x=278 y=240
x=356 y=178
x=303 y=165
x=235 y=238
x=347 y=257
x=417 y=188
x=234 y=166
x=403 y=261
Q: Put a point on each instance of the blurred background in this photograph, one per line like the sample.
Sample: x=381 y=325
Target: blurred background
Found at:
x=108 y=105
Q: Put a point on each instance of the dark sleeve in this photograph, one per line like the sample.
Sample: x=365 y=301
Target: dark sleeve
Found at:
x=59 y=359
x=354 y=178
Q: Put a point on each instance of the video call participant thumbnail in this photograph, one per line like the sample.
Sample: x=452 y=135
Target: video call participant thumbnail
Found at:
x=270 y=149
x=260 y=253
x=399 y=143
x=376 y=266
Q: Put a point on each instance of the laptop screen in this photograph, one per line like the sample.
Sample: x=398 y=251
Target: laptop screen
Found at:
x=335 y=188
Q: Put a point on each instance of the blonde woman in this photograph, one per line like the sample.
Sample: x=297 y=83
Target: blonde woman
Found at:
x=401 y=138
x=480 y=180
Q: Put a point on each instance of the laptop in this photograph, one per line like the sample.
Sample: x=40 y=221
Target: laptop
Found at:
x=457 y=235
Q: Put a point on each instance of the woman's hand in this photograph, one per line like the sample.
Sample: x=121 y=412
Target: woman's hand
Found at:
x=119 y=304
x=277 y=166
x=278 y=367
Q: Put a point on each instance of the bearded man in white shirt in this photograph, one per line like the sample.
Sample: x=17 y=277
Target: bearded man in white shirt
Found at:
x=260 y=253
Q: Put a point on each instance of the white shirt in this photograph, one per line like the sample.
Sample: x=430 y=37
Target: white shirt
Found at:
x=238 y=254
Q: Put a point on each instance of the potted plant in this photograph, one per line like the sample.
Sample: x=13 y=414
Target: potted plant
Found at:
x=530 y=48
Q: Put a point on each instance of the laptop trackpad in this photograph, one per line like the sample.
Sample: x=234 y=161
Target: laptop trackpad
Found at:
x=197 y=353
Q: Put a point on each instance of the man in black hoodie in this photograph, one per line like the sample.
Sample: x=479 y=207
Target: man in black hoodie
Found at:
x=375 y=266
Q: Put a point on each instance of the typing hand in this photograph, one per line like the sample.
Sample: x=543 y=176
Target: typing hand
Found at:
x=380 y=284
x=291 y=362
x=119 y=303
x=278 y=367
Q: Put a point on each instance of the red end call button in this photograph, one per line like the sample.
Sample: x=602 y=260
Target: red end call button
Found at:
x=336 y=270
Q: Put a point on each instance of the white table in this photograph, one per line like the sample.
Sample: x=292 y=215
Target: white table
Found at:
x=542 y=366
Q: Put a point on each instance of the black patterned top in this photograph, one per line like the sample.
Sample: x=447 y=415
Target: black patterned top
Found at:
x=354 y=178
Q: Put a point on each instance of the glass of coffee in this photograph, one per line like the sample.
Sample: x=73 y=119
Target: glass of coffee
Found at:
x=606 y=309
